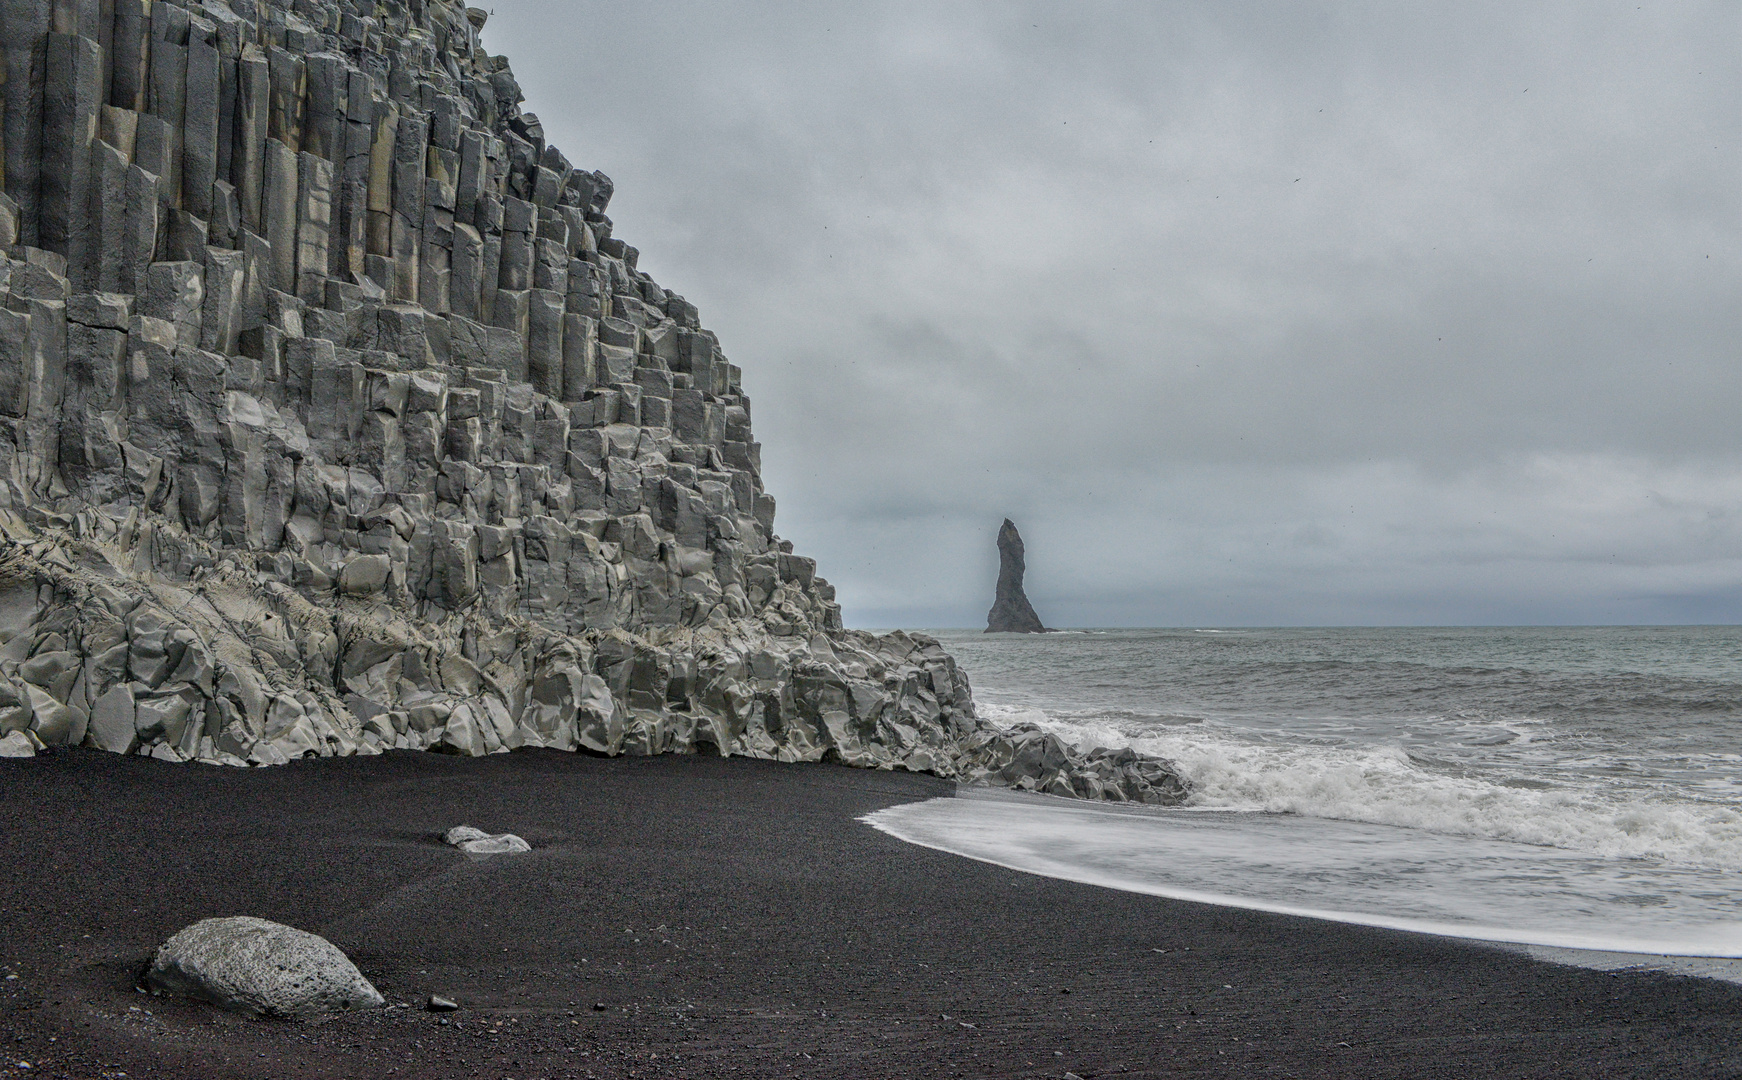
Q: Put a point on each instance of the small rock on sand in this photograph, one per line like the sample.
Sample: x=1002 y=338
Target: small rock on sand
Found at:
x=265 y=968
x=479 y=842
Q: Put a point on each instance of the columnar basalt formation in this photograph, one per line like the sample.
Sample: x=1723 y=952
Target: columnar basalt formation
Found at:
x=1011 y=612
x=335 y=419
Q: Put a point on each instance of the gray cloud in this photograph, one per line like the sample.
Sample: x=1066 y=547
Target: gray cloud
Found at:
x=1247 y=313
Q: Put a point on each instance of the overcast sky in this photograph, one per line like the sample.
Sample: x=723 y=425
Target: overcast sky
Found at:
x=1246 y=313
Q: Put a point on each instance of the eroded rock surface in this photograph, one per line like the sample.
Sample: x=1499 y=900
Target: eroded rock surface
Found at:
x=262 y=968
x=334 y=418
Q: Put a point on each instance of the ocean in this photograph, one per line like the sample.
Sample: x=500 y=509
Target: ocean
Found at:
x=1576 y=792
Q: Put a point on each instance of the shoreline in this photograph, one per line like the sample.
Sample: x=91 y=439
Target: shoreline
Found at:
x=1725 y=966
x=733 y=918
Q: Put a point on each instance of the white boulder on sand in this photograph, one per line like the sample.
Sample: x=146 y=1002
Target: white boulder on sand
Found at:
x=478 y=842
x=254 y=966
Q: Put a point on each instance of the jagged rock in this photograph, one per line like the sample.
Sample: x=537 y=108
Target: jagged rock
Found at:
x=478 y=842
x=264 y=968
x=1030 y=758
x=365 y=575
x=1011 y=612
x=16 y=744
x=334 y=419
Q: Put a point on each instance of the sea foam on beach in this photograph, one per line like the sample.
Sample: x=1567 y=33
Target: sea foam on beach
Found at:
x=1377 y=875
x=1559 y=788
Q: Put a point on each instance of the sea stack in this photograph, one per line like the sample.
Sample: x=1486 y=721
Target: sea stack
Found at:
x=1011 y=612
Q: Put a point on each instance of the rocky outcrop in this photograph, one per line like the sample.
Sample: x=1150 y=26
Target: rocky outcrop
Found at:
x=1028 y=758
x=1011 y=612
x=334 y=418
x=261 y=968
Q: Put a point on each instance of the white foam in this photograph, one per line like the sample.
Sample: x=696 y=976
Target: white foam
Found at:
x=1370 y=875
x=1381 y=784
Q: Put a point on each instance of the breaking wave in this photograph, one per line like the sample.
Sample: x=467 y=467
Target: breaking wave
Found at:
x=1389 y=785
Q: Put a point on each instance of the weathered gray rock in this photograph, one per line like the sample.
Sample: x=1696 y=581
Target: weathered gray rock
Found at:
x=1011 y=612
x=263 y=968
x=16 y=744
x=478 y=842
x=365 y=575
x=1029 y=758
x=112 y=725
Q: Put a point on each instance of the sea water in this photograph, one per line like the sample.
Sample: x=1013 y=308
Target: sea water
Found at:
x=1575 y=791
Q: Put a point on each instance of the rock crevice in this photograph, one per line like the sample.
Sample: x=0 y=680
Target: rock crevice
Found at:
x=335 y=418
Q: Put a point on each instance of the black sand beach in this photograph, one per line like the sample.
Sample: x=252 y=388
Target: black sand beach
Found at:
x=699 y=917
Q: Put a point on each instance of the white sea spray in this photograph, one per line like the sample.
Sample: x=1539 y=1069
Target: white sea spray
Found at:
x=1571 y=788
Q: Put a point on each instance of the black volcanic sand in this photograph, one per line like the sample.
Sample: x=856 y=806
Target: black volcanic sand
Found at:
x=699 y=917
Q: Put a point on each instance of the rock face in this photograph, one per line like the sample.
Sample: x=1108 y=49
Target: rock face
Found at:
x=259 y=967
x=334 y=418
x=1011 y=612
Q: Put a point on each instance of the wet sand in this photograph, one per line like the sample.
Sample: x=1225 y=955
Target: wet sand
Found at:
x=699 y=917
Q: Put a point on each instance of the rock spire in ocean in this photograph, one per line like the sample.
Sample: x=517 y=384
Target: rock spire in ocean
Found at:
x=1011 y=612
x=335 y=418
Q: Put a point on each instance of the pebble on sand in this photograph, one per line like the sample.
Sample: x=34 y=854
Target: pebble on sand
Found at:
x=479 y=842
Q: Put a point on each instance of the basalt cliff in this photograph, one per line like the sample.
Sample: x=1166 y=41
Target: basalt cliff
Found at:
x=334 y=419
